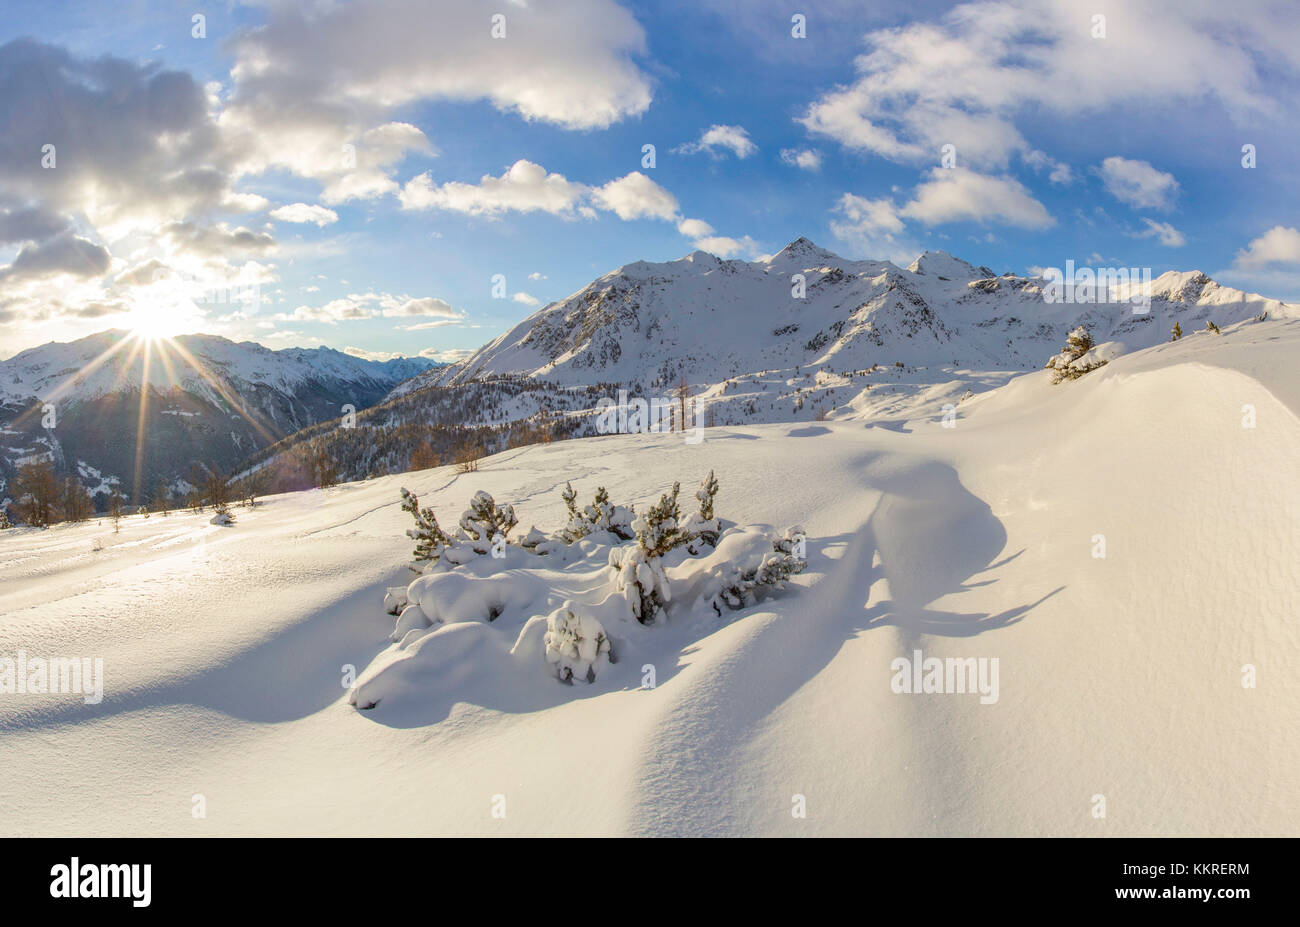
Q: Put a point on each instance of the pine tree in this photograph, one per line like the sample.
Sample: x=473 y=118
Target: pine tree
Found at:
x=484 y=520
x=1211 y=327
x=4 y=519
x=1177 y=332
x=430 y=541
x=704 y=524
x=1070 y=363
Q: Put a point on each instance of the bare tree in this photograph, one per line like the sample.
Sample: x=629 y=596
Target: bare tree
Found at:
x=36 y=493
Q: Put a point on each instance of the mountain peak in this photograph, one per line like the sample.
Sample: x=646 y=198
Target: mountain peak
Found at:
x=805 y=250
x=943 y=264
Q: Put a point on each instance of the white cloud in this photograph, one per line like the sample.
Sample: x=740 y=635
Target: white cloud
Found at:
x=635 y=196
x=809 y=159
x=694 y=228
x=967 y=77
x=525 y=187
x=1279 y=245
x=872 y=227
x=357 y=306
x=303 y=212
x=1163 y=231
x=525 y=298
x=725 y=247
x=729 y=138
x=529 y=187
x=1138 y=184
x=537 y=275
x=956 y=194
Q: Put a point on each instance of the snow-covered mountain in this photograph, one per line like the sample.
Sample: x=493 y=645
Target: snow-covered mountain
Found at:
x=806 y=309
x=195 y=399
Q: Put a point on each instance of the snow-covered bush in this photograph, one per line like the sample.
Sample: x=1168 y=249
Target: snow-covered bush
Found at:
x=704 y=525
x=484 y=521
x=639 y=569
x=640 y=577
x=1076 y=359
x=600 y=515
x=576 y=645
x=430 y=541
x=741 y=587
x=223 y=515
x=614 y=570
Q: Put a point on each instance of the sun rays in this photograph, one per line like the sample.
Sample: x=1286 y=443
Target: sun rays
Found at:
x=164 y=364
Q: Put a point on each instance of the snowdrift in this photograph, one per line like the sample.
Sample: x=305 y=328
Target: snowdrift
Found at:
x=1124 y=544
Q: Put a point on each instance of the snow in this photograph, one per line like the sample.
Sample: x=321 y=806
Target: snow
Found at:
x=231 y=655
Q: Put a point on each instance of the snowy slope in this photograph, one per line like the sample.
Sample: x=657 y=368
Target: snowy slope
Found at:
x=1120 y=677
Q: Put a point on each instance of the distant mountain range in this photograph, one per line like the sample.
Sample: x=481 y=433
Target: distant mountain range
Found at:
x=709 y=320
x=797 y=336
x=195 y=399
x=802 y=334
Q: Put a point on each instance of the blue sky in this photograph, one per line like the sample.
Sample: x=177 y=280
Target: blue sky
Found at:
x=356 y=174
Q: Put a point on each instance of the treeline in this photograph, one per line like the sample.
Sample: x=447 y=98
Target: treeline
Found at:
x=431 y=427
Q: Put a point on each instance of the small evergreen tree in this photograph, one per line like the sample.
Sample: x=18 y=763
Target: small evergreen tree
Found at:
x=4 y=519
x=1177 y=332
x=1070 y=364
x=484 y=520
x=430 y=541
x=1211 y=327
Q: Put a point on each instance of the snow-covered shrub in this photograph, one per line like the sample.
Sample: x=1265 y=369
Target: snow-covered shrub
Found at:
x=1211 y=327
x=640 y=577
x=576 y=645
x=601 y=515
x=395 y=600
x=484 y=520
x=1076 y=359
x=703 y=525
x=430 y=540
x=223 y=515
x=639 y=570
x=741 y=587
x=4 y=519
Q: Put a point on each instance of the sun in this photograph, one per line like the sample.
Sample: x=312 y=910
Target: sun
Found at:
x=153 y=322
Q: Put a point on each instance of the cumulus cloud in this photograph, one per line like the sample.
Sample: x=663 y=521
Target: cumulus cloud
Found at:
x=65 y=254
x=356 y=306
x=526 y=298
x=725 y=247
x=529 y=187
x=695 y=228
x=1138 y=184
x=636 y=196
x=718 y=137
x=524 y=187
x=809 y=159
x=968 y=77
x=1163 y=232
x=1280 y=245
x=303 y=213
x=29 y=224
x=872 y=227
x=957 y=194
